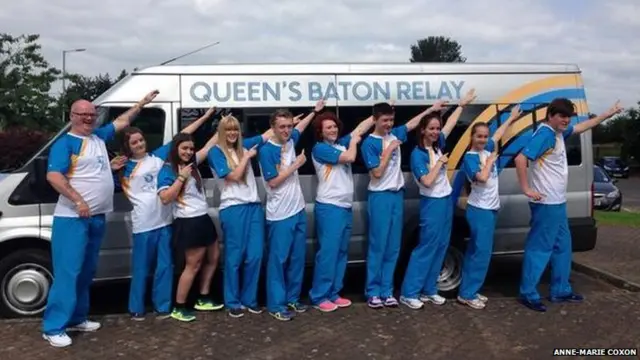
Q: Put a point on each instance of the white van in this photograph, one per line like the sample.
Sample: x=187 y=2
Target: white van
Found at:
x=252 y=93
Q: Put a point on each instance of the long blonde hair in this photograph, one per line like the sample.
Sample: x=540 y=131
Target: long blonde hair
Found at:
x=230 y=121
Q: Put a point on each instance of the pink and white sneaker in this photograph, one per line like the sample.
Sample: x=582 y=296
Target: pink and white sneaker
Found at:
x=342 y=302
x=326 y=306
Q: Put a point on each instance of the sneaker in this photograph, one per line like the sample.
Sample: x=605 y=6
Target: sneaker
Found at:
x=207 y=305
x=342 y=302
x=572 y=298
x=85 y=326
x=435 y=299
x=326 y=306
x=137 y=317
x=182 y=315
x=282 y=315
x=390 y=302
x=414 y=304
x=298 y=307
x=375 y=302
x=535 y=305
x=162 y=315
x=58 y=340
x=482 y=298
x=474 y=304
x=253 y=309
x=236 y=313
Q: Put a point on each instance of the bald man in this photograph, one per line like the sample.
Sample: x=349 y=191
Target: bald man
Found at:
x=80 y=172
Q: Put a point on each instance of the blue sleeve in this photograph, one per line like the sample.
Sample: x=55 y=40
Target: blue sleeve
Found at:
x=567 y=132
x=163 y=151
x=419 y=161
x=370 y=154
x=471 y=166
x=166 y=177
x=252 y=141
x=218 y=162
x=344 y=141
x=491 y=145
x=400 y=132
x=106 y=132
x=325 y=153
x=268 y=162
x=442 y=141
x=59 y=157
x=539 y=144
x=295 y=136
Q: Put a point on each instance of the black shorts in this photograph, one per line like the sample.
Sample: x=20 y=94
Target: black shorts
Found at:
x=195 y=232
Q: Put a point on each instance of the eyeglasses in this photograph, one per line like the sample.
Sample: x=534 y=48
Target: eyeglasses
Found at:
x=84 y=114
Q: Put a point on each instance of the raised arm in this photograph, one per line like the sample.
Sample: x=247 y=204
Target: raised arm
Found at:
x=428 y=179
x=515 y=113
x=169 y=186
x=378 y=165
x=123 y=121
x=237 y=175
x=469 y=97
x=363 y=127
x=415 y=121
x=302 y=125
x=201 y=120
x=201 y=155
x=276 y=176
x=593 y=122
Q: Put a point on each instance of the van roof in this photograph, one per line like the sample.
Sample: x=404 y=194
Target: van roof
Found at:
x=361 y=68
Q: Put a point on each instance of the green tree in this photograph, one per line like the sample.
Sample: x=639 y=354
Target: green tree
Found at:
x=437 y=49
x=25 y=81
x=87 y=87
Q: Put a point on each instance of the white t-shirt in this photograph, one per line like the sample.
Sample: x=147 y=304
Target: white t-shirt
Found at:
x=549 y=169
x=372 y=148
x=287 y=199
x=424 y=160
x=483 y=195
x=191 y=202
x=335 y=180
x=84 y=160
x=139 y=182
x=231 y=192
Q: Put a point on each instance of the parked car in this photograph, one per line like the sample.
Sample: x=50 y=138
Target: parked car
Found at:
x=607 y=196
x=615 y=166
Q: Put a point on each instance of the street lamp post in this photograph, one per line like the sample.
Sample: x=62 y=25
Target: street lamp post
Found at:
x=64 y=78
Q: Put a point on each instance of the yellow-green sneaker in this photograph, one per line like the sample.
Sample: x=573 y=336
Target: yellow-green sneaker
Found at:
x=207 y=305
x=182 y=315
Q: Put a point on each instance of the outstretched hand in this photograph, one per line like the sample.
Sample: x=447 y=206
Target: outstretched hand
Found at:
x=614 y=110
x=469 y=97
x=149 y=97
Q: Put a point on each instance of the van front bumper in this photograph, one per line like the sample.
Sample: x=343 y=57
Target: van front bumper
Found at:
x=584 y=233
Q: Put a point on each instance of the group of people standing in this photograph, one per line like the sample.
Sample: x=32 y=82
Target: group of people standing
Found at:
x=169 y=204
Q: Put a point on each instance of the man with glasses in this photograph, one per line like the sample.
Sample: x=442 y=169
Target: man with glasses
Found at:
x=79 y=171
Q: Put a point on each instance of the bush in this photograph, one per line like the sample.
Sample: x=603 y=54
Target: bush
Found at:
x=17 y=145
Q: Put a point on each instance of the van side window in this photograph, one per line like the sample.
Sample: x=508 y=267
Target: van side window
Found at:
x=150 y=120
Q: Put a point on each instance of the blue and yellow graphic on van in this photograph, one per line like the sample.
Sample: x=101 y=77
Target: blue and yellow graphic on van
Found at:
x=532 y=98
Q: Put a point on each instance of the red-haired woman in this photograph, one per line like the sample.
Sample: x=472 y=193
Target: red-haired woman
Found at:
x=332 y=157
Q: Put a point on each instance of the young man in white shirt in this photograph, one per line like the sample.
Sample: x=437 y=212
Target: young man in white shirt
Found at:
x=549 y=239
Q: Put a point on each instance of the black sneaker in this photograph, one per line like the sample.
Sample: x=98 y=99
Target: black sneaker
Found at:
x=137 y=316
x=572 y=298
x=298 y=307
x=236 y=313
x=255 y=310
x=535 y=305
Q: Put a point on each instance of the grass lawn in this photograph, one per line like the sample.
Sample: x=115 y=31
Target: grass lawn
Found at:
x=622 y=218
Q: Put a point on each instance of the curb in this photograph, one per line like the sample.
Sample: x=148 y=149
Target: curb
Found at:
x=608 y=277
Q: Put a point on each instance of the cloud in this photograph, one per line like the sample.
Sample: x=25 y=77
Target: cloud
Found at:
x=601 y=37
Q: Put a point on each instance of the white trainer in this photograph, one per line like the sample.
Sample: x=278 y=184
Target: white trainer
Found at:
x=59 y=340
x=86 y=326
x=474 y=304
x=414 y=304
x=435 y=299
x=482 y=298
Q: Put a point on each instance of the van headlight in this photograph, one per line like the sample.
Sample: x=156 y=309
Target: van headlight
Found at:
x=626 y=168
x=614 y=194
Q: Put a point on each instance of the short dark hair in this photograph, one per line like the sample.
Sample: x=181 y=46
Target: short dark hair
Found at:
x=383 y=108
x=280 y=113
x=319 y=120
x=562 y=106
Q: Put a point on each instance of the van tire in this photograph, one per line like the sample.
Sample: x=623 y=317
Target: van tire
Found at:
x=25 y=280
x=451 y=273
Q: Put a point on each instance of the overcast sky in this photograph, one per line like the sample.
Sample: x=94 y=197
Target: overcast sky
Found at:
x=602 y=37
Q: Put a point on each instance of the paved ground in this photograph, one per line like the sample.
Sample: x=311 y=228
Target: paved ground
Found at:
x=630 y=189
x=505 y=330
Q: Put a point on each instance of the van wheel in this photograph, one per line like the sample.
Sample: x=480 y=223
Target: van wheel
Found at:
x=25 y=280
x=451 y=273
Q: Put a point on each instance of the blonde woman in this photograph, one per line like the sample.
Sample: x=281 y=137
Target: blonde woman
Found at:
x=241 y=214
